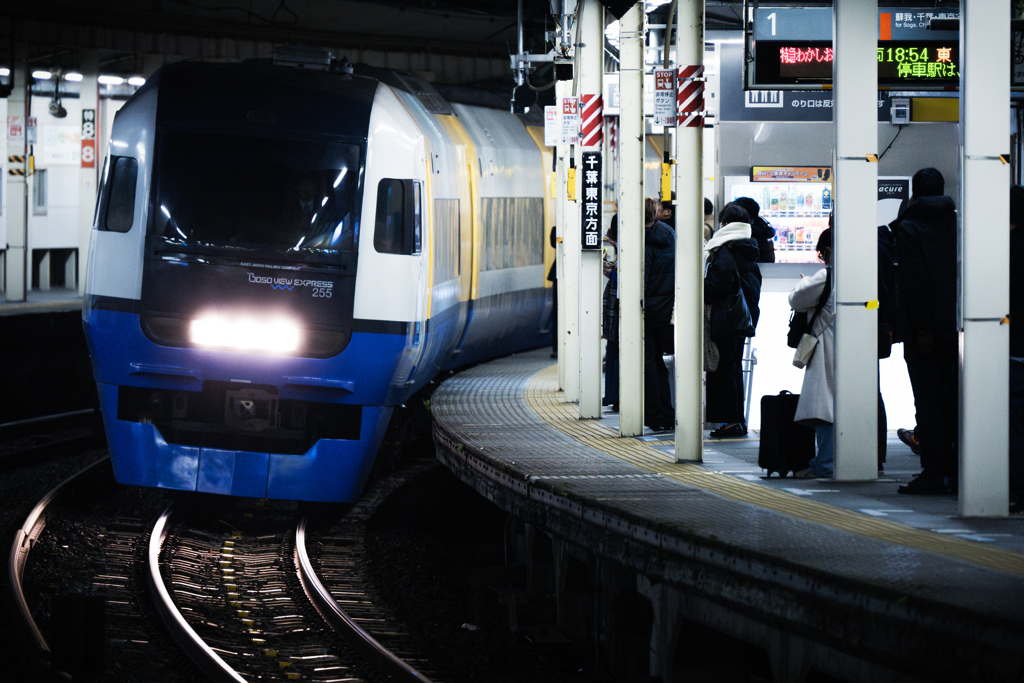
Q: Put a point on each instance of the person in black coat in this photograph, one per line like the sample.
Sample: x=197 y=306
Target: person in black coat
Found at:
x=730 y=261
x=1017 y=348
x=610 y=321
x=659 y=299
x=760 y=229
x=553 y=279
x=926 y=254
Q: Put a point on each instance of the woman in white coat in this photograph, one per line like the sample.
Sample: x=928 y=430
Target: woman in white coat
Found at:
x=817 y=396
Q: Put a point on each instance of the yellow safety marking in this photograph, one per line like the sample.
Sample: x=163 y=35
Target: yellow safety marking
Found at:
x=666 y=182
x=15 y=159
x=542 y=396
x=570 y=183
x=871 y=305
x=872 y=158
x=1005 y=321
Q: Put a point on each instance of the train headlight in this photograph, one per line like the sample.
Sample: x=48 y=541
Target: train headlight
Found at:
x=245 y=334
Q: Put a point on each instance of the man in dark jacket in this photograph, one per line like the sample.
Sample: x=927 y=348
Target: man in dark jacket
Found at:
x=1017 y=348
x=926 y=249
x=659 y=298
x=760 y=229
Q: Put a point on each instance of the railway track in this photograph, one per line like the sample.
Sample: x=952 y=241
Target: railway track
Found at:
x=242 y=594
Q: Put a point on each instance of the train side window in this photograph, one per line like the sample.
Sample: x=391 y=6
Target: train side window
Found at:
x=120 y=208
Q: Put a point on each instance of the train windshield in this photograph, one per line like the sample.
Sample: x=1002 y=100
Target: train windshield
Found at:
x=290 y=198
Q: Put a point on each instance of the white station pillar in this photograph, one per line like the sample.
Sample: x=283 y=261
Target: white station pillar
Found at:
x=16 y=257
x=689 y=232
x=632 y=29
x=561 y=164
x=855 y=239
x=984 y=265
x=571 y=270
x=590 y=61
x=91 y=161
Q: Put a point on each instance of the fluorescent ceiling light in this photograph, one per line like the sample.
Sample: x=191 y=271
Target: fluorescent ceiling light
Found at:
x=137 y=81
x=41 y=75
x=110 y=80
x=73 y=76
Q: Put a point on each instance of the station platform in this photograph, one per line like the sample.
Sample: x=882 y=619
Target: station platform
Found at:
x=885 y=586
x=39 y=301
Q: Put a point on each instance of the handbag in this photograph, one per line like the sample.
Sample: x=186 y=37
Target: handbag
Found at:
x=711 y=355
x=737 y=313
x=799 y=324
x=805 y=350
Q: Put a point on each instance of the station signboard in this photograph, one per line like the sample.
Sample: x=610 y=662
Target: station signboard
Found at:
x=792 y=49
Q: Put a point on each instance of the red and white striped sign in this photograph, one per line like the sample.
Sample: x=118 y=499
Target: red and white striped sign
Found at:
x=690 y=96
x=593 y=116
x=613 y=133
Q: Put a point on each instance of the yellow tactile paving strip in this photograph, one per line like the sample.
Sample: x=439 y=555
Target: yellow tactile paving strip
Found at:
x=542 y=396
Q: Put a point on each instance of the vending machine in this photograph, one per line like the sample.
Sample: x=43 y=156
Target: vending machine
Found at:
x=795 y=200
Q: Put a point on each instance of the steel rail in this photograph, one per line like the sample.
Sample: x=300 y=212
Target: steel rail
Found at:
x=24 y=539
x=341 y=622
x=208 y=661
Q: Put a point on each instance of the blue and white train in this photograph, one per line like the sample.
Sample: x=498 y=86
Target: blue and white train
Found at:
x=281 y=256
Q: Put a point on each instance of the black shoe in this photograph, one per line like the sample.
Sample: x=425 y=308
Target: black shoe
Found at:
x=907 y=437
x=926 y=484
x=735 y=431
x=661 y=428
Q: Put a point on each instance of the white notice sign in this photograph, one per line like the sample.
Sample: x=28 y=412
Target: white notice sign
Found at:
x=570 y=121
x=664 y=97
x=552 y=126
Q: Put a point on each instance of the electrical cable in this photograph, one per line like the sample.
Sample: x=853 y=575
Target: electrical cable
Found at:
x=890 y=143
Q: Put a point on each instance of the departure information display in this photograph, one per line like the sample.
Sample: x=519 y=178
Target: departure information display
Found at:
x=899 y=63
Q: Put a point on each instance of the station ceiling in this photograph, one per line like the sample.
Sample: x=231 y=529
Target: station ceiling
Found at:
x=468 y=28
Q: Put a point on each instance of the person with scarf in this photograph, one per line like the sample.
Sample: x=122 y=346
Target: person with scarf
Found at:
x=730 y=261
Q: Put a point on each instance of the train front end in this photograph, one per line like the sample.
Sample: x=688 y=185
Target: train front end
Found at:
x=221 y=285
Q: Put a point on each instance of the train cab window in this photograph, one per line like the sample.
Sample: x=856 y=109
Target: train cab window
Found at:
x=119 y=211
x=398 y=226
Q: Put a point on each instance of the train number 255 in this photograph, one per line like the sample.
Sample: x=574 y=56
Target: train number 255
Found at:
x=321 y=292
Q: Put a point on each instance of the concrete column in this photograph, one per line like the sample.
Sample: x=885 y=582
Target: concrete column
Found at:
x=89 y=99
x=632 y=27
x=559 y=201
x=590 y=62
x=984 y=265
x=571 y=282
x=855 y=239
x=689 y=251
x=16 y=269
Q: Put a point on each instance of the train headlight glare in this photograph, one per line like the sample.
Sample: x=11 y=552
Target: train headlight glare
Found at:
x=245 y=334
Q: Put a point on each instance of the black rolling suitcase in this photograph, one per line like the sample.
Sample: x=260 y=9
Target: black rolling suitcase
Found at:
x=785 y=446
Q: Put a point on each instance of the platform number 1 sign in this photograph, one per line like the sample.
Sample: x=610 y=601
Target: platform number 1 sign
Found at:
x=88 y=138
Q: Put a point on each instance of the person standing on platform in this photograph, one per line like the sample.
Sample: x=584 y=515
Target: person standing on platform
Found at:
x=818 y=392
x=1017 y=349
x=926 y=256
x=730 y=261
x=659 y=299
x=760 y=229
x=610 y=327
x=709 y=219
x=553 y=279
x=667 y=213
